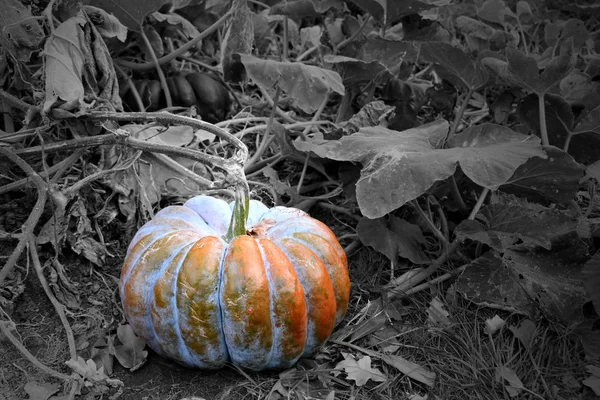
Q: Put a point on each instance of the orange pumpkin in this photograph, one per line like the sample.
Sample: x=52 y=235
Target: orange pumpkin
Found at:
x=261 y=300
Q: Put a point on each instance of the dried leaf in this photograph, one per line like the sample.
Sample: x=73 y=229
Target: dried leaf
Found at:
x=239 y=39
x=360 y=371
x=130 y=352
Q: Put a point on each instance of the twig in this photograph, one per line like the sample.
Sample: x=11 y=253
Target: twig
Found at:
x=60 y=309
x=34 y=216
x=59 y=168
x=5 y=328
x=16 y=102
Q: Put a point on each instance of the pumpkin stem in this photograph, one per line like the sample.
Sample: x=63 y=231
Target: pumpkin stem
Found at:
x=239 y=216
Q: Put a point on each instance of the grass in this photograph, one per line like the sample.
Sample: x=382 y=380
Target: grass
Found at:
x=464 y=357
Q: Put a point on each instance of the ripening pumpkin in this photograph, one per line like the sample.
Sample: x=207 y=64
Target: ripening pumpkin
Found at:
x=261 y=300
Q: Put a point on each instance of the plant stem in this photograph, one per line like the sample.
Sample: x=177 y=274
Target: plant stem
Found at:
x=459 y=114
x=543 y=127
x=35 y=215
x=265 y=140
x=60 y=309
x=305 y=132
x=456 y=194
x=180 y=51
x=479 y=203
x=159 y=71
x=5 y=329
x=430 y=223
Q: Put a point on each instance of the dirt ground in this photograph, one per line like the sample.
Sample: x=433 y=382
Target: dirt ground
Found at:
x=40 y=330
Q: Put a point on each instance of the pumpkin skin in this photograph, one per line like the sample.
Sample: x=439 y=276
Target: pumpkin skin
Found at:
x=261 y=301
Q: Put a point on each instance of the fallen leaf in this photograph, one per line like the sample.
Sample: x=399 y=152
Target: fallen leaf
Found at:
x=437 y=315
x=593 y=381
x=410 y=369
x=87 y=369
x=130 y=352
x=493 y=325
x=525 y=332
x=515 y=385
x=40 y=391
x=360 y=371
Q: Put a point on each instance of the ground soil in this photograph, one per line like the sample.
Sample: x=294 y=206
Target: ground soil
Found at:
x=41 y=332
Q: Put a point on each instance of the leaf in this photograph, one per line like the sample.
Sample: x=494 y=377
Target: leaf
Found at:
x=64 y=65
x=306 y=84
x=131 y=13
x=391 y=11
x=395 y=237
x=503 y=226
x=493 y=325
x=102 y=353
x=489 y=154
x=20 y=33
x=239 y=39
x=81 y=239
x=577 y=86
x=153 y=178
x=515 y=385
x=297 y=9
x=67 y=82
x=559 y=117
x=281 y=187
x=390 y=53
x=525 y=332
x=591 y=280
x=593 y=381
x=593 y=171
x=130 y=353
x=525 y=283
x=590 y=123
x=410 y=369
x=87 y=369
x=480 y=36
x=523 y=70
x=493 y=11
x=400 y=166
x=524 y=12
x=454 y=65
x=369 y=115
x=360 y=371
x=187 y=28
x=355 y=71
x=40 y=391
x=437 y=315
x=110 y=26
x=554 y=179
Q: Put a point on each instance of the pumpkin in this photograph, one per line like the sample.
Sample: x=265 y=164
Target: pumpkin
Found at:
x=260 y=301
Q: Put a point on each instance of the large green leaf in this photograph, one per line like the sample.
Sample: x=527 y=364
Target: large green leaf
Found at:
x=391 y=11
x=553 y=179
x=130 y=13
x=526 y=282
x=505 y=226
x=394 y=237
x=306 y=84
x=400 y=166
x=523 y=70
x=454 y=64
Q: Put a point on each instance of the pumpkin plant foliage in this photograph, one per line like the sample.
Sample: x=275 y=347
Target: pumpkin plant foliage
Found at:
x=260 y=300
